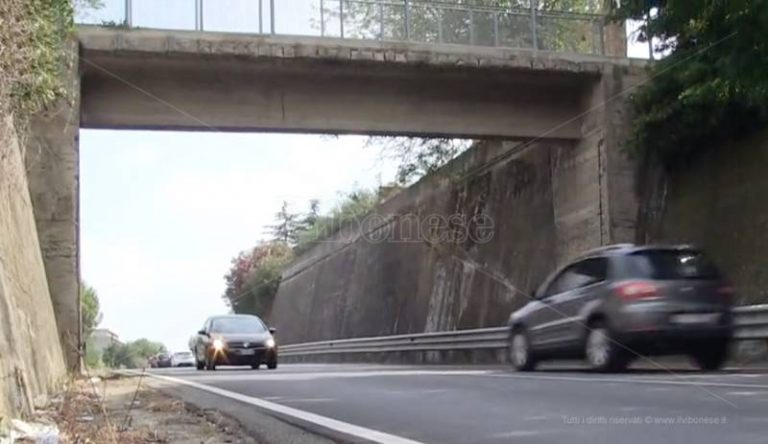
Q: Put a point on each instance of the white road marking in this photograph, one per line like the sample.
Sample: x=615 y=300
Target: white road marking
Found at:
x=309 y=400
x=680 y=382
x=516 y=434
x=537 y=418
x=323 y=421
x=329 y=375
x=749 y=393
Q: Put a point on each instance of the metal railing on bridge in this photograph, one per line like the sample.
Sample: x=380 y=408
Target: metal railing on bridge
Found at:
x=521 y=24
x=751 y=322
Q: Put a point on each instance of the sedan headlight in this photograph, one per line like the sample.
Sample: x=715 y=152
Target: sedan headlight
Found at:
x=270 y=343
x=218 y=344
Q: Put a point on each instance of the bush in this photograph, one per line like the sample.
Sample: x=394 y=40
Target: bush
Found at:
x=711 y=88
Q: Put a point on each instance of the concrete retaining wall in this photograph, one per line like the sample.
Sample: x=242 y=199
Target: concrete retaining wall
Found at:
x=549 y=201
x=31 y=359
x=720 y=203
x=52 y=163
x=351 y=286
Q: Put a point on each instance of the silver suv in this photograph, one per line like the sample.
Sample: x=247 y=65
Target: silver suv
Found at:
x=620 y=302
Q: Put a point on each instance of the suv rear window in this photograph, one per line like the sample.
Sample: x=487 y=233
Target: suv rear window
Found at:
x=671 y=264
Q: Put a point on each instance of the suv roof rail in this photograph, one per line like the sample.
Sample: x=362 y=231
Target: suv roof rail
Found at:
x=607 y=248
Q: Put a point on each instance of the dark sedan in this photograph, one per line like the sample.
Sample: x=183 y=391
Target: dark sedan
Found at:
x=234 y=340
x=163 y=360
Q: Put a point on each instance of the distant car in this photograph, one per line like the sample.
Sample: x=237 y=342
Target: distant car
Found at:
x=182 y=359
x=163 y=360
x=235 y=340
x=623 y=301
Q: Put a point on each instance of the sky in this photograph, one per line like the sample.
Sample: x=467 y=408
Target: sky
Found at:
x=162 y=213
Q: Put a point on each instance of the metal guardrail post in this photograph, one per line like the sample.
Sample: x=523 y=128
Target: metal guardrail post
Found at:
x=381 y=20
x=322 y=19
x=471 y=27
x=601 y=35
x=129 y=13
x=407 y=19
x=341 y=18
x=534 y=31
x=271 y=16
x=198 y=15
x=261 y=17
x=440 y=25
x=496 y=28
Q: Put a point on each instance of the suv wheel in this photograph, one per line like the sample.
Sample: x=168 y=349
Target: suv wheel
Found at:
x=711 y=356
x=601 y=350
x=520 y=354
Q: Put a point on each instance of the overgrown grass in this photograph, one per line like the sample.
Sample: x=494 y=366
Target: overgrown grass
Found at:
x=33 y=34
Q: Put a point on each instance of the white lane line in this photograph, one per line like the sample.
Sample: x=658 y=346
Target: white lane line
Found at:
x=311 y=376
x=323 y=421
x=681 y=382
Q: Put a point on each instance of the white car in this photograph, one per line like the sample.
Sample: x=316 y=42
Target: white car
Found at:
x=182 y=359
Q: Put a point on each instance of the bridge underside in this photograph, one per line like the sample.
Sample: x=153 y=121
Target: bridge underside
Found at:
x=203 y=81
x=141 y=79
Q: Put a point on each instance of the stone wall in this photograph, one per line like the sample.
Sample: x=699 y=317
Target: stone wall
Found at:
x=720 y=203
x=356 y=284
x=31 y=360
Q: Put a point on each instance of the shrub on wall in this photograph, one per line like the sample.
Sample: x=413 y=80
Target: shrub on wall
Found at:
x=32 y=38
x=712 y=85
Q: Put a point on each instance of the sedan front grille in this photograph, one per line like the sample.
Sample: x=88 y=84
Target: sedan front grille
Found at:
x=244 y=344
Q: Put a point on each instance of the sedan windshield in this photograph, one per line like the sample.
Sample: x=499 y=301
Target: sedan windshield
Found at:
x=238 y=325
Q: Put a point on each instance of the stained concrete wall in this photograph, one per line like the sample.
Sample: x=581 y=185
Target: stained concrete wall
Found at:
x=53 y=174
x=720 y=203
x=551 y=199
x=31 y=359
x=594 y=181
x=351 y=286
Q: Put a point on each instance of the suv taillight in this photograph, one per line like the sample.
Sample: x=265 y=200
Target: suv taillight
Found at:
x=636 y=290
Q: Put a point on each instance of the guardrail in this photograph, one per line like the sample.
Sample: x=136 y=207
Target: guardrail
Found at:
x=751 y=322
x=466 y=22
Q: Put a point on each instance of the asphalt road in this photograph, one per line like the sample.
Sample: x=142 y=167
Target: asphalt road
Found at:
x=462 y=405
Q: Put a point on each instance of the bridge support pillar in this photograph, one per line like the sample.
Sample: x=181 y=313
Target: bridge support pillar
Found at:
x=52 y=162
x=593 y=178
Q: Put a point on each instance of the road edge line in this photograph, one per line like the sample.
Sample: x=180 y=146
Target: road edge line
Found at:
x=335 y=425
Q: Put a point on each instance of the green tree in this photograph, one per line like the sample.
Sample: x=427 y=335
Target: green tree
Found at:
x=131 y=354
x=90 y=307
x=417 y=156
x=144 y=348
x=711 y=87
x=310 y=218
x=254 y=277
x=93 y=359
x=352 y=207
x=286 y=225
x=120 y=355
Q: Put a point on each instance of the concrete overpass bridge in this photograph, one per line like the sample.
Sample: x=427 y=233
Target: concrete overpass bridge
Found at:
x=452 y=82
